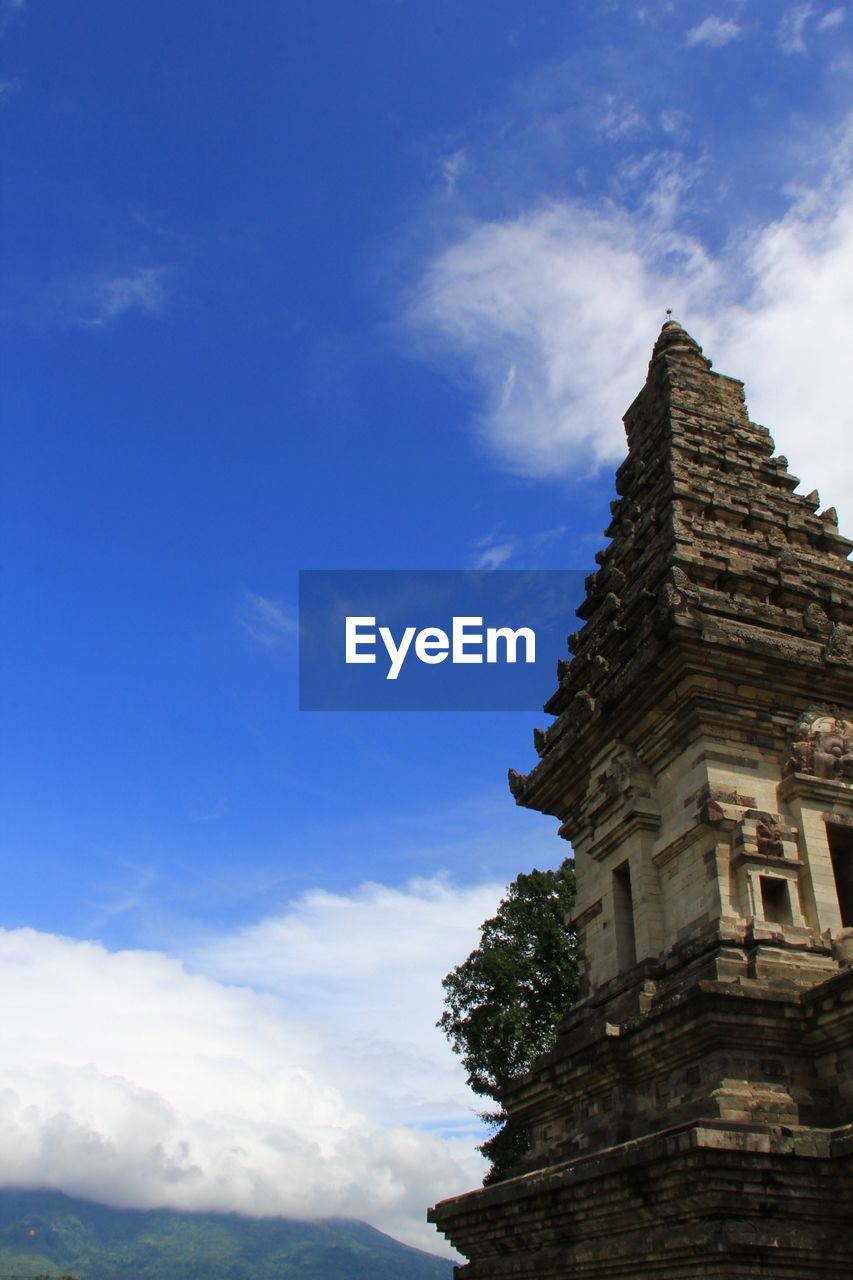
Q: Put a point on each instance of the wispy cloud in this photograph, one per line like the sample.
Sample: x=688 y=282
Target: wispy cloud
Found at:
x=495 y=550
x=834 y=18
x=142 y=290
x=790 y=34
x=8 y=10
x=269 y=622
x=211 y=811
x=554 y=313
x=127 y=891
x=452 y=167
x=674 y=121
x=492 y=554
x=715 y=31
x=551 y=313
x=618 y=119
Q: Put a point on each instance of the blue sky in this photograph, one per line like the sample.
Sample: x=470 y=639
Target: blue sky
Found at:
x=337 y=286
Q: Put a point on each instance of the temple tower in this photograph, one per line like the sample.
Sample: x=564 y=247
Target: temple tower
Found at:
x=694 y=1118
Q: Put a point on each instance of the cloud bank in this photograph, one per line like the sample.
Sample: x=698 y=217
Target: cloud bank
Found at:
x=364 y=970
x=131 y=1079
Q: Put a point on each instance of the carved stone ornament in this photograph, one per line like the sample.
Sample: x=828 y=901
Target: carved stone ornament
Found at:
x=823 y=747
x=768 y=837
x=839 y=645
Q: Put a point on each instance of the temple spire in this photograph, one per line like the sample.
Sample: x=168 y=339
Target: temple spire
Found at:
x=707 y=536
x=674 y=339
x=701 y=764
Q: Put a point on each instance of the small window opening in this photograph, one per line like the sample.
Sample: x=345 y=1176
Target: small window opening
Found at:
x=623 y=917
x=841 y=851
x=775 y=900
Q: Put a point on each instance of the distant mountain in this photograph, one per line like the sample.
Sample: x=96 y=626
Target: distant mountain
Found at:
x=47 y=1233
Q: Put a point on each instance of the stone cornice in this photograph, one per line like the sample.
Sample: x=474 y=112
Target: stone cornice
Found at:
x=805 y=786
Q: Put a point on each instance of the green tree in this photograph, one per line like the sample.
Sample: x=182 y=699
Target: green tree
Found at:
x=504 y=1002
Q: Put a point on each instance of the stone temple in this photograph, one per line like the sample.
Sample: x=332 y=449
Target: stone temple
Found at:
x=694 y=1118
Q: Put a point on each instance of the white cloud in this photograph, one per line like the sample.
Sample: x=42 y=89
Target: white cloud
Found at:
x=141 y=290
x=452 y=168
x=790 y=340
x=496 y=549
x=551 y=312
x=492 y=554
x=618 y=119
x=554 y=314
x=674 y=121
x=365 y=970
x=832 y=19
x=130 y=1079
x=268 y=622
x=715 y=31
x=790 y=34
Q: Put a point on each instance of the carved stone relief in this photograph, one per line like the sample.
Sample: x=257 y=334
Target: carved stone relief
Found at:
x=823 y=746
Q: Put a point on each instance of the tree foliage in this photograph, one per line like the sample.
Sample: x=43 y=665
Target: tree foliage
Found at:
x=504 y=1002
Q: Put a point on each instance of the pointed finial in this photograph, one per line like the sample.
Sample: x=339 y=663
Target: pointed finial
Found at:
x=674 y=340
